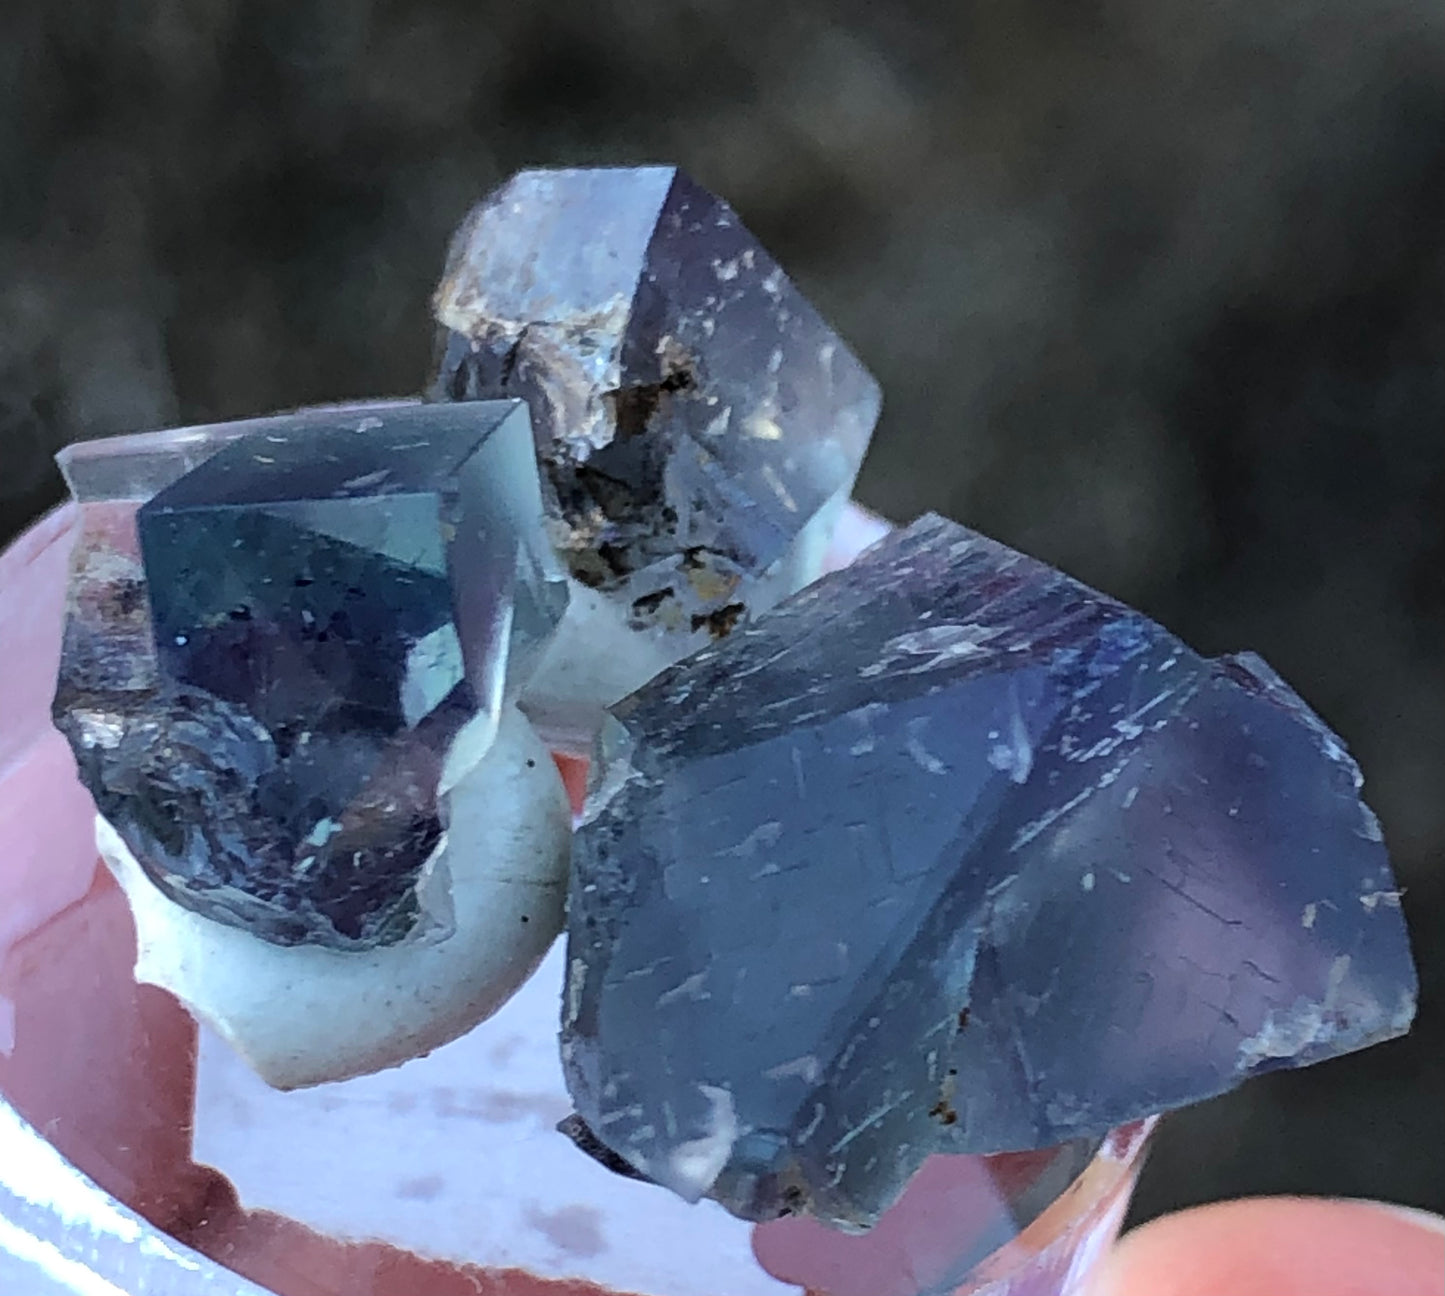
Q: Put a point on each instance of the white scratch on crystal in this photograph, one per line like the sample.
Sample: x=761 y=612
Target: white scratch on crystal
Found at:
x=806 y=1068
x=914 y=745
x=765 y=834
x=576 y=980
x=690 y=988
x=1016 y=756
x=1029 y=831
x=872 y=1119
x=366 y=479
x=775 y=484
x=1373 y=899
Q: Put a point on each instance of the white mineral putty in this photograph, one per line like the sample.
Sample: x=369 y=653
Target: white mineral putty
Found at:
x=594 y=659
x=456 y=1156
x=301 y=1015
x=597 y=659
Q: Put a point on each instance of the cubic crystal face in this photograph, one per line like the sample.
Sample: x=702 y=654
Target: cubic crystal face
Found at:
x=277 y=666
x=698 y=424
x=949 y=853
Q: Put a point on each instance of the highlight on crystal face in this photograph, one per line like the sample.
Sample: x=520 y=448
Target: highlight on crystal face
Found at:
x=939 y=857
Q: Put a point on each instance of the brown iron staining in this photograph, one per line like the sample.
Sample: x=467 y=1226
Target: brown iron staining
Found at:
x=620 y=520
x=634 y=407
x=942 y=1111
x=660 y=608
x=720 y=623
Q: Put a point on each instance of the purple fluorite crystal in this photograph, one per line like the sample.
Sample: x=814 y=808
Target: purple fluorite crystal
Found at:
x=698 y=424
x=950 y=853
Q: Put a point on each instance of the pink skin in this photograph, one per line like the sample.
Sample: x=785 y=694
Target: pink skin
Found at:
x=70 y=1013
x=1280 y=1247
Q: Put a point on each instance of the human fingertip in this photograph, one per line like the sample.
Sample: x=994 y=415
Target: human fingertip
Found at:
x=1280 y=1247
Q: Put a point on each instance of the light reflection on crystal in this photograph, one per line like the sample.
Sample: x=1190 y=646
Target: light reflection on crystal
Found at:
x=135 y=467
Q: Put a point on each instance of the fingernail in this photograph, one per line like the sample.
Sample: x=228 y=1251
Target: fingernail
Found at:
x=1423 y=1219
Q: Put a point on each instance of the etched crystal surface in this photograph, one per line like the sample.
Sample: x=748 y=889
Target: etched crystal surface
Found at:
x=276 y=667
x=950 y=853
x=697 y=422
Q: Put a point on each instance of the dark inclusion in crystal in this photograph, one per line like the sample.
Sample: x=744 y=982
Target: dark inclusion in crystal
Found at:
x=269 y=709
x=949 y=853
x=693 y=413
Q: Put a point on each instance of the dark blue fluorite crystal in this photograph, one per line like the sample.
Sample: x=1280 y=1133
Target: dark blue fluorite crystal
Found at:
x=949 y=853
x=326 y=617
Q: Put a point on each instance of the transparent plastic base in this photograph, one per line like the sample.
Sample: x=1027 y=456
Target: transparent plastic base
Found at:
x=139 y=1157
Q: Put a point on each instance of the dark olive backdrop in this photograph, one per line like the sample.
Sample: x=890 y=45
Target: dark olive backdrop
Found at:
x=1156 y=291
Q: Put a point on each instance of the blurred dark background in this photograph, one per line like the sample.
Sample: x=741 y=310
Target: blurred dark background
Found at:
x=1156 y=291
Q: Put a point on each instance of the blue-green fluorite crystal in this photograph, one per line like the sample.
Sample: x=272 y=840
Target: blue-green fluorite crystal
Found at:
x=335 y=608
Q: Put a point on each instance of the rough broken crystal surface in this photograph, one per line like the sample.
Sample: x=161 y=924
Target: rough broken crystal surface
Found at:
x=697 y=422
x=949 y=853
x=288 y=640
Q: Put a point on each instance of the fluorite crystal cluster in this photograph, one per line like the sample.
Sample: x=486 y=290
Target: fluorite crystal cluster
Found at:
x=949 y=853
x=295 y=644
x=944 y=853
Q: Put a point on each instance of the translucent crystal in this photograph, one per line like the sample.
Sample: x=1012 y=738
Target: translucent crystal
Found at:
x=949 y=853
x=288 y=639
x=697 y=422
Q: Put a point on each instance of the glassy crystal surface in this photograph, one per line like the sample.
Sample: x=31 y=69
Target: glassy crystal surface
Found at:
x=136 y=466
x=950 y=853
x=277 y=663
x=697 y=422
